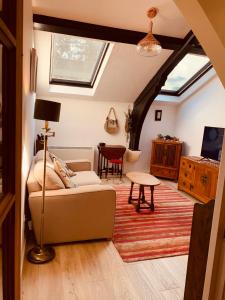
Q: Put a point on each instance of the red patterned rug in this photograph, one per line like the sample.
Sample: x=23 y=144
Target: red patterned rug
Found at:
x=147 y=235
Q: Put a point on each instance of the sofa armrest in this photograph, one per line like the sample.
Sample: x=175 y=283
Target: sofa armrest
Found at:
x=79 y=165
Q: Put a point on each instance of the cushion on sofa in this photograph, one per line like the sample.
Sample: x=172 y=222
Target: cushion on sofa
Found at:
x=64 y=165
x=40 y=156
x=60 y=169
x=85 y=178
x=32 y=183
x=78 y=165
x=52 y=181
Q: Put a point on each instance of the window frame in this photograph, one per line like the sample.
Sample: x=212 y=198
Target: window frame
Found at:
x=84 y=84
x=189 y=82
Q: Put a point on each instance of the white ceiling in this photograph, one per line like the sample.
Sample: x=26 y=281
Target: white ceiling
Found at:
x=126 y=73
x=127 y=14
x=124 y=77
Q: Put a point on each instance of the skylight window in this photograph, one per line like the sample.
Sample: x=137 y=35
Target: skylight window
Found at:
x=75 y=60
x=187 y=71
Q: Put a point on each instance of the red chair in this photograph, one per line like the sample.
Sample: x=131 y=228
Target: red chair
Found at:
x=117 y=166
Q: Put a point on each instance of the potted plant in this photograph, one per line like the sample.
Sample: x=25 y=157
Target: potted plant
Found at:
x=132 y=155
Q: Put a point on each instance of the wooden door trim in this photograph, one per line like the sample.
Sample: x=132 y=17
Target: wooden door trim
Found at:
x=11 y=36
x=5 y=205
x=6 y=36
x=8 y=264
x=18 y=154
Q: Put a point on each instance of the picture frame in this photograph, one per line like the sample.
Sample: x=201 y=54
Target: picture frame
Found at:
x=33 y=70
x=158 y=115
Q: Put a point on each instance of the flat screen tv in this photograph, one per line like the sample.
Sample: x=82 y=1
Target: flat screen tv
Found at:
x=212 y=142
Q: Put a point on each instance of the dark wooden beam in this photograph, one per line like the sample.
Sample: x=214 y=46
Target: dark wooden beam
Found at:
x=64 y=26
x=147 y=96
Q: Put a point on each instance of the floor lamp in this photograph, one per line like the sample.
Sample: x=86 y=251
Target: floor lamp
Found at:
x=47 y=111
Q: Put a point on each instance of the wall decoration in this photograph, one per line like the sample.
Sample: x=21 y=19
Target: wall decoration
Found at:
x=128 y=122
x=111 y=123
x=158 y=115
x=33 y=70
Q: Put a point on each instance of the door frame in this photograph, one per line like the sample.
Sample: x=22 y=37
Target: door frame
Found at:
x=11 y=32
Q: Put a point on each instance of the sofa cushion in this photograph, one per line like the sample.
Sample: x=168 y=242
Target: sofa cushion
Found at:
x=52 y=180
x=64 y=165
x=85 y=178
x=61 y=170
x=40 y=156
x=32 y=183
x=78 y=165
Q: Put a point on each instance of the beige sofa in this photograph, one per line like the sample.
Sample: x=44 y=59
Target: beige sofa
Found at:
x=83 y=212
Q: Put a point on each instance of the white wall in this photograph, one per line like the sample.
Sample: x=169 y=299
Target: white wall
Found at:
x=82 y=123
x=28 y=104
x=206 y=107
x=150 y=130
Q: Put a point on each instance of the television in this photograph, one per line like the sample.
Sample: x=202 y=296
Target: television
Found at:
x=212 y=142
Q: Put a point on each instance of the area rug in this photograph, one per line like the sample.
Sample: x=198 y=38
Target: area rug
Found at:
x=147 y=235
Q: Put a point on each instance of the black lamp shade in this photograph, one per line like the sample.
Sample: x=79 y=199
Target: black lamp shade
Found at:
x=47 y=110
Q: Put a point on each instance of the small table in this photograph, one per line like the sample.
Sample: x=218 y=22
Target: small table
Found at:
x=143 y=179
x=108 y=154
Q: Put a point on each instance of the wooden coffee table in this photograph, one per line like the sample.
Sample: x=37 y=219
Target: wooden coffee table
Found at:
x=143 y=179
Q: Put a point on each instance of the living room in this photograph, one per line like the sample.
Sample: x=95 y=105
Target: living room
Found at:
x=82 y=125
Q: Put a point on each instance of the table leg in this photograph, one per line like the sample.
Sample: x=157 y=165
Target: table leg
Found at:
x=143 y=194
x=139 y=198
x=100 y=170
x=131 y=191
x=107 y=168
x=98 y=162
x=152 y=207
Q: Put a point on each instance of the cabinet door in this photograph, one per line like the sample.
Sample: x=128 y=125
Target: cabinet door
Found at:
x=170 y=155
x=187 y=170
x=205 y=180
x=158 y=154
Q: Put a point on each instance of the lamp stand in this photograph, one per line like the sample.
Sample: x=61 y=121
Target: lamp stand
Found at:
x=41 y=254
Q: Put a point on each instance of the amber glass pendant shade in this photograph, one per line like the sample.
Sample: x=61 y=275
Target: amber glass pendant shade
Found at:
x=149 y=46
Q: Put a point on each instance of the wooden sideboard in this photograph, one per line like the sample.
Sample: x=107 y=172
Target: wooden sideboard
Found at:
x=165 y=158
x=198 y=177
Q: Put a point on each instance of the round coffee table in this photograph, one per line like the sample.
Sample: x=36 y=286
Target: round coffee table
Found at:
x=143 y=179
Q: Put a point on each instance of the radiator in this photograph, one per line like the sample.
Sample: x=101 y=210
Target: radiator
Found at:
x=71 y=153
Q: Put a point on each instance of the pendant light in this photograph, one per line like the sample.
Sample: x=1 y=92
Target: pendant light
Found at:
x=149 y=46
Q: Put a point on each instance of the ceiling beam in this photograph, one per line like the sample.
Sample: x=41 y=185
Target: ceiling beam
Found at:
x=64 y=26
x=147 y=96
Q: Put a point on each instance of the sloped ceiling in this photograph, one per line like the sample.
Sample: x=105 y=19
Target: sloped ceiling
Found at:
x=126 y=73
x=126 y=14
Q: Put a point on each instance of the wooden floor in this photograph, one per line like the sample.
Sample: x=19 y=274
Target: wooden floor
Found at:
x=95 y=271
